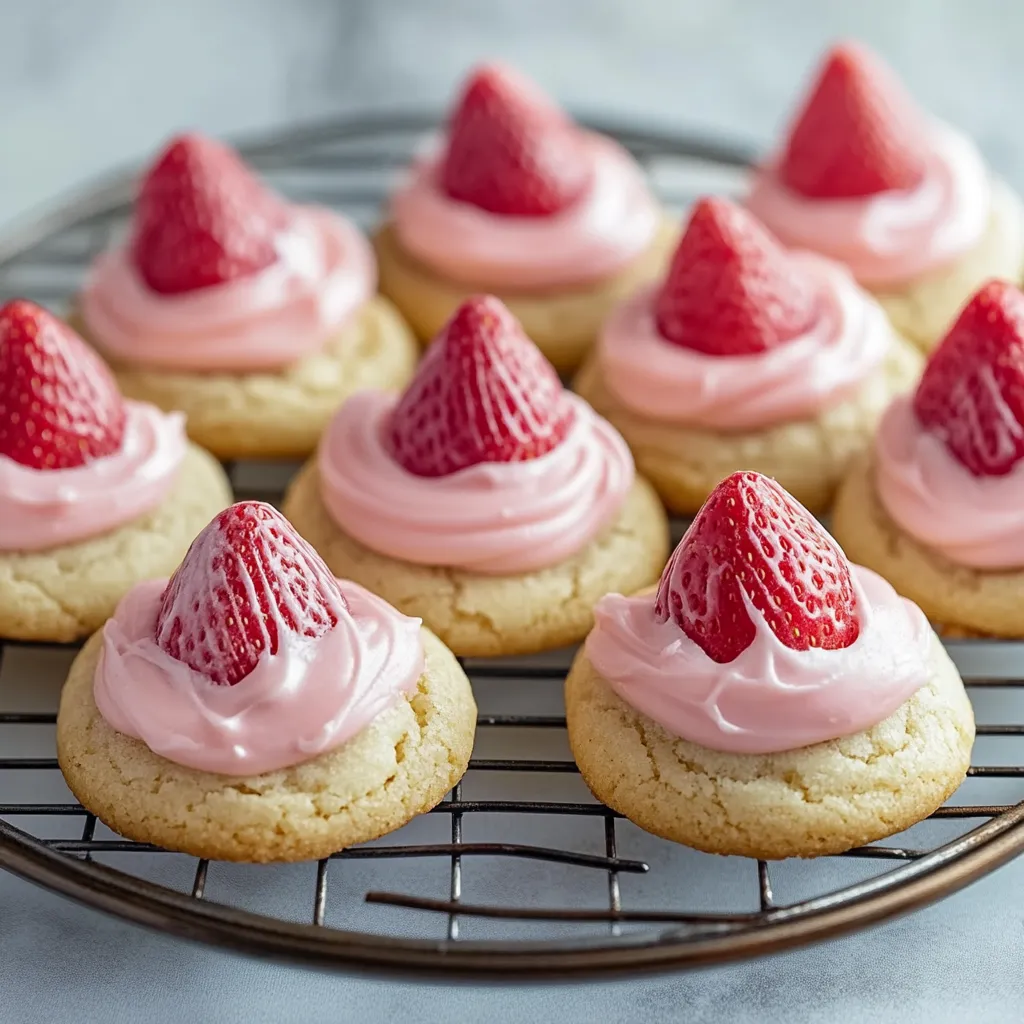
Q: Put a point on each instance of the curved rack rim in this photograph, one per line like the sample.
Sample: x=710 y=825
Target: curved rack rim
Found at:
x=941 y=872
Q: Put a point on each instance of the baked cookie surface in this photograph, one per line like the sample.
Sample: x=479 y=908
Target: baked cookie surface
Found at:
x=817 y=800
x=961 y=601
x=808 y=457
x=563 y=323
x=68 y=592
x=279 y=415
x=486 y=616
x=925 y=310
x=400 y=765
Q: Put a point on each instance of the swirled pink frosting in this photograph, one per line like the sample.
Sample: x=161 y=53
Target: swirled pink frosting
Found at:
x=307 y=699
x=44 y=508
x=770 y=698
x=667 y=382
x=324 y=272
x=976 y=521
x=603 y=231
x=889 y=239
x=507 y=517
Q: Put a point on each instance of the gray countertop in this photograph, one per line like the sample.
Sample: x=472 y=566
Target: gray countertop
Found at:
x=88 y=86
x=957 y=962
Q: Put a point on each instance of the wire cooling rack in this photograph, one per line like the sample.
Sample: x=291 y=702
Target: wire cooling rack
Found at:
x=519 y=871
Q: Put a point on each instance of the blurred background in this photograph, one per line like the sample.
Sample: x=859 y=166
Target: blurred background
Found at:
x=86 y=85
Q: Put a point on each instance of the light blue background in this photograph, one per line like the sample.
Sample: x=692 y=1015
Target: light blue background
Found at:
x=84 y=85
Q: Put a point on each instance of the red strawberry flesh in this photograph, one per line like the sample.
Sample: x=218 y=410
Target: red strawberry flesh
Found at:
x=859 y=133
x=247 y=580
x=483 y=393
x=732 y=289
x=202 y=219
x=971 y=394
x=752 y=538
x=59 y=404
x=510 y=151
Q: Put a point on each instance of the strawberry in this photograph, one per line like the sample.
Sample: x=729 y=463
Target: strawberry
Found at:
x=246 y=580
x=483 y=393
x=510 y=151
x=971 y=394
x=859 y=132
x=59 y=404
x=732 y=289
x=202 y=219
x=754 y=549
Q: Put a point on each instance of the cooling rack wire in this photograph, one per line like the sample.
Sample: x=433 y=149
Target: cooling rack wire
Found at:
x=519 y=871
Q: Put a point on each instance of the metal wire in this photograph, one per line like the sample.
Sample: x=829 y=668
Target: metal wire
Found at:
x=458 y=807
x=349 y=165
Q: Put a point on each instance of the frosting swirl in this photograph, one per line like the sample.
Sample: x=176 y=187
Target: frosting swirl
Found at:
x=609 y=226
x=45 y=508
x=508 y=517
x=307 y=699
x=889 y=239
x=770 y=698
x=324 y=272
x=667 y=382
x=977 y=521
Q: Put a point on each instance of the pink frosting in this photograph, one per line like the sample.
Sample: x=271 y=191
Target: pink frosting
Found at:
x=324 y=272
x=44 y=508
x=770 y=698
x=508 y=517
x=673 y=384
x=307 y=699
x=973 y=520
x=608 y=227
x=889 y=239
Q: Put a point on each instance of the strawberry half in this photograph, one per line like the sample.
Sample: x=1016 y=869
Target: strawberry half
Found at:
x=971 y=394
x=59 y=404
x=483 y=393
x=752 y=538
x=510 y=151
x=247 y=579
x=732 y=289
x=202 y=219
x=858 y=134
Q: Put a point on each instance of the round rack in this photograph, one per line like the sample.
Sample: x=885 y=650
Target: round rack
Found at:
x=519 y=872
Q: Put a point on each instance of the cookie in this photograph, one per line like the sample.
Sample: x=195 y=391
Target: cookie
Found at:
x=924 y=311
x=965 y=601
x=486 y=616
x=817 y=800
x=400 y=766
x=68 y=592
x=563 y=323
x=808 y=457
x=280 y=415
